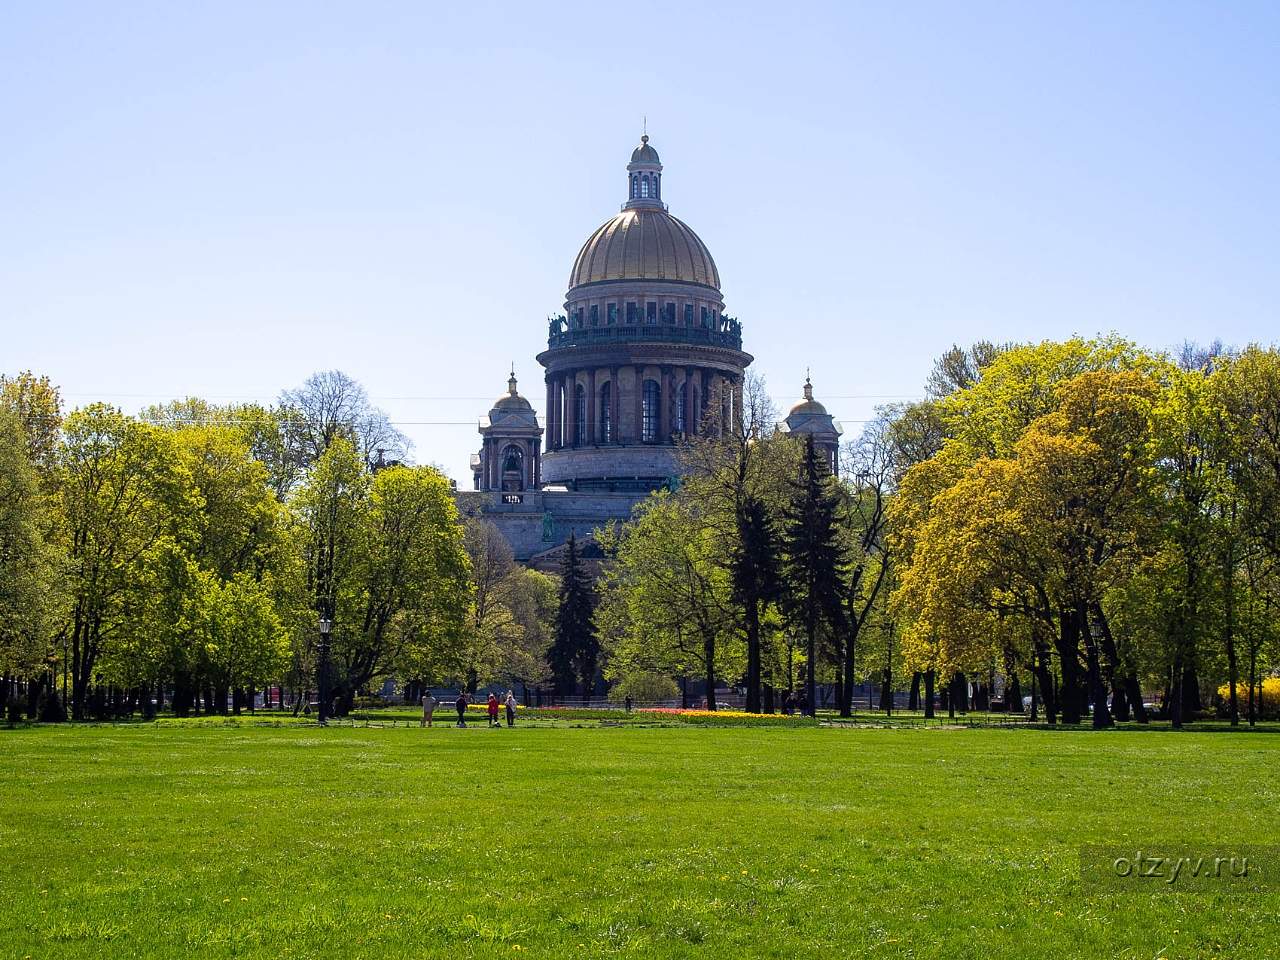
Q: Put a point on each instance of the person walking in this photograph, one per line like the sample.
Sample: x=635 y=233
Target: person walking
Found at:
x=428 y=708
x=461 y=705
x=511 y=708
x=493 y=710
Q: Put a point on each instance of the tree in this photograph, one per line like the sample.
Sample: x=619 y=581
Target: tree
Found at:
x=869 y=472
x=36 y=403
x=30 y=563
x=245 y=642
x=531 y=597
x=814 y=559
x=124 y=497
x=737 y=476
x=756 y=570
x=1187 y=440
x=386 y=564
x=959 y=369
x=667 y=596
x=408 y=601
x=513 y=607
x=332 y=406
x=492 y=625
x=575 y=650
x=269 y=432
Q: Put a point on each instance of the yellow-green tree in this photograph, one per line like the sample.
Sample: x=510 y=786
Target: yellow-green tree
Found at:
x=667 y=597
x=122 y=494
x=31 y=587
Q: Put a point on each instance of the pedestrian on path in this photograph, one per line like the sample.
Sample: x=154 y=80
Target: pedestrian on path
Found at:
x=461 y=705
x=511 y=708
x=493 y=710
x=428 y=708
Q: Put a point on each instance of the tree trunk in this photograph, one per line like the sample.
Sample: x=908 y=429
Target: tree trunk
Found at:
x=811 y=665
x=928 y=694
x=1229 y=628
x=769 y=705
x=709 y=658
x=913 y=701
x=1191 y=704
x=1097 y=689
x=1068 y=641
x=1253 y=681
x=753 y=657
x=1013 y=694
x=850 y=650
x=1042 y=692
x=886 y=690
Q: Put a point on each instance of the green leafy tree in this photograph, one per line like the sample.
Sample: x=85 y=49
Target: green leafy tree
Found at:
x=123 y=493
x=36 y=403
x=31 y=565
x=668 y=602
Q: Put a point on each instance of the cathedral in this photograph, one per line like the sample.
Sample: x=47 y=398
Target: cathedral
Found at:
x=643 y=356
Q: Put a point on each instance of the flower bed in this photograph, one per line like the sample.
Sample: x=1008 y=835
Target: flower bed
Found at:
x=728 y=718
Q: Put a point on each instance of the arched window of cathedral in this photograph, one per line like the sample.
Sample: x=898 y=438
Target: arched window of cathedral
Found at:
x=644 y=186
x=657 y=184
x=650 y=405
x=606 y=413
x=513 y=468
x=579 y=416
x=682 y=396
x=635 y=185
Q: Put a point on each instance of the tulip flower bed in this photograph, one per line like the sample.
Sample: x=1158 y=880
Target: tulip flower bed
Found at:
x=727 y=718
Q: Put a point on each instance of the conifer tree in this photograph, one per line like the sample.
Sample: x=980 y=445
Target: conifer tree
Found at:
x=576 y=648
x=757 y=574
x=813 y=558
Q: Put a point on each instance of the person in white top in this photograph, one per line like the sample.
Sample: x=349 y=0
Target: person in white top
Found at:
x=511 y=708
x=428 y=708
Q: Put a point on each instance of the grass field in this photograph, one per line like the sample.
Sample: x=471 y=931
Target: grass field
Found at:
x=554 y=841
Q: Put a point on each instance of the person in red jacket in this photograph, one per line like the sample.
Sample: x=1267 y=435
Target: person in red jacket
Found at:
x=493 y=711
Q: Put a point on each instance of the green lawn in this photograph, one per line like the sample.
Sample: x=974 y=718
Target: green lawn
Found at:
x=555 y=841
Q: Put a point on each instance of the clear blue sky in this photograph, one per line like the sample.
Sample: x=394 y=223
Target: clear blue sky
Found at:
x=219 y=201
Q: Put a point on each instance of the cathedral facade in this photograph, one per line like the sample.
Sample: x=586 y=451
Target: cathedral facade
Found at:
x=643 y=357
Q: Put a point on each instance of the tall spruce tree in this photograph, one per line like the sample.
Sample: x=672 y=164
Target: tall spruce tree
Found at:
x=576 y=649
x=756 y=570
x=813 y=559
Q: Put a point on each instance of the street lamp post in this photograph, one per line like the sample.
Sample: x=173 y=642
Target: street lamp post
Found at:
x=326 y=628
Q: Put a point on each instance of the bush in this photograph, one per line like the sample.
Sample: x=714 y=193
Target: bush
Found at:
x=645 y=687
x=50 y=710
x=1268 y=709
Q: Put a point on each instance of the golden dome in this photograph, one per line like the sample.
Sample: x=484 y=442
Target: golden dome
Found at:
x=644 y=243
